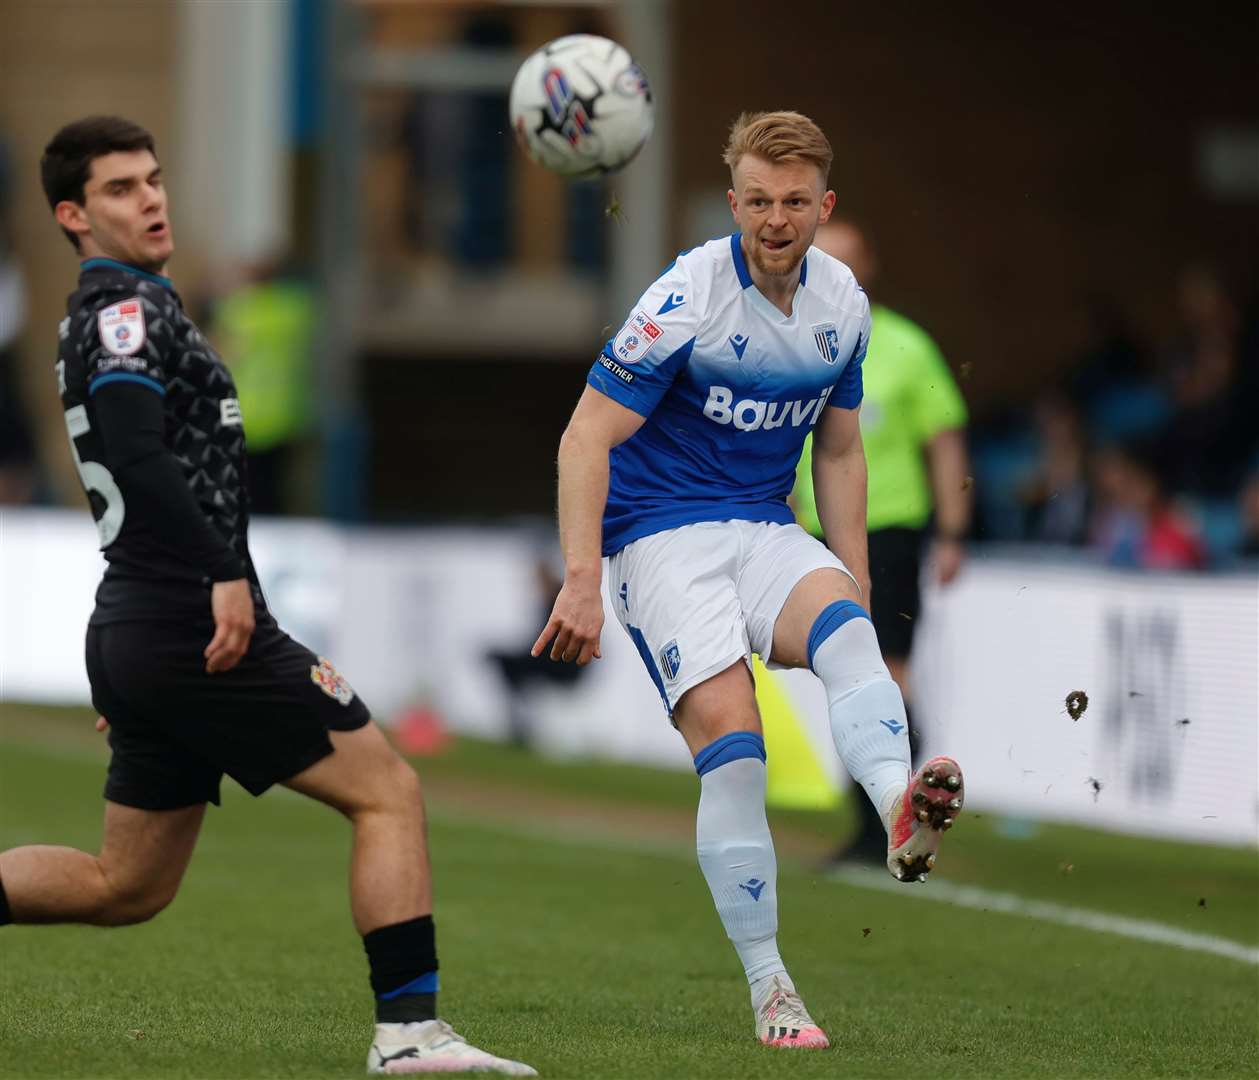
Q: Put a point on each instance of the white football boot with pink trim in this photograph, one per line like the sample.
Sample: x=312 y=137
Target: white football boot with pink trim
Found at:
x=921 y=816
x=433 y=1046
x=782 y=1020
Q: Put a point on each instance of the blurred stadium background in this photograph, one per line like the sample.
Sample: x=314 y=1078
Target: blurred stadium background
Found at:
x=1066 y=198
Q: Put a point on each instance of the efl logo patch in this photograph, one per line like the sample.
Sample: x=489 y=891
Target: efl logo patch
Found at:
x=671 y=660
x=121 y=327
x=331 y=682
x=826 y=338
x=636 y=338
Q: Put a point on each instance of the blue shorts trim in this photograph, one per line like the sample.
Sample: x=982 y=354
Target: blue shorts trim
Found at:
x=640 y=643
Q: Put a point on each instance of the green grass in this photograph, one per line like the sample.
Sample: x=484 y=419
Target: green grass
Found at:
x=606 y=960
x=1151 y=879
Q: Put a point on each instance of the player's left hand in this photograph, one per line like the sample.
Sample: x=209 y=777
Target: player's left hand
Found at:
x=948 y=556
x=102 y=724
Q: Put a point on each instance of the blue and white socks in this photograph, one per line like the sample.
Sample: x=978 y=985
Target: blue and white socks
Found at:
x=866 y=709
x=736 y=853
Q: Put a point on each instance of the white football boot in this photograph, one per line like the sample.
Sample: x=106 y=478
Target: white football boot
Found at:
x=782 y=1020
x=430 y=1047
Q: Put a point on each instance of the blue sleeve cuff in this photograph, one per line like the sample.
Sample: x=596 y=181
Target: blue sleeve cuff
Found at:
x=610 y=386
x=125 y=376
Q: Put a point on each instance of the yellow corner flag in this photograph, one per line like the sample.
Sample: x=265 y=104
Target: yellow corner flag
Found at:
x=795 y=777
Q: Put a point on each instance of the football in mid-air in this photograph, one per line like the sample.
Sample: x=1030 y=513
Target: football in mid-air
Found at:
x=581 y=106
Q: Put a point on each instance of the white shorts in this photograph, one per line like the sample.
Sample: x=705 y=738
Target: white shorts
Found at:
x=697 y=598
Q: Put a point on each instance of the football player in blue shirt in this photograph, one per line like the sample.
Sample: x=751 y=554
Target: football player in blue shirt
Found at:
x=676 y=466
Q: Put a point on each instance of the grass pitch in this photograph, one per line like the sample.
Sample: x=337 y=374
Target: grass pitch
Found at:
x=576 y=933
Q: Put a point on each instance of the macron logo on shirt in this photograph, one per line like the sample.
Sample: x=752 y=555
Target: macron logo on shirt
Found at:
x=749 y=415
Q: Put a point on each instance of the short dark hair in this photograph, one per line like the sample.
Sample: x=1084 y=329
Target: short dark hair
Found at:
x=67 y=162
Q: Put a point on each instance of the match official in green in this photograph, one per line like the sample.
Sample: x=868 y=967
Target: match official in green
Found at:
x=913 y=422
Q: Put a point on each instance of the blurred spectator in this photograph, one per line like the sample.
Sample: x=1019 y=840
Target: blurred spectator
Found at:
x=1110 y=353
x=1110 y=377
x=1058 y=498
x=264 y=329
x=1207 y=439
x=17 y=447
x=1248 y=508
x=1136 y=526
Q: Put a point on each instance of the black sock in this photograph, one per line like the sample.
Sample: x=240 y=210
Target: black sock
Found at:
x=6 y=913
x=403 y=962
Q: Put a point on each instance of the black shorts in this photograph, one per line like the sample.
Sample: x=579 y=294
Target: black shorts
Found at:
x=175 y=730
x=895 y=565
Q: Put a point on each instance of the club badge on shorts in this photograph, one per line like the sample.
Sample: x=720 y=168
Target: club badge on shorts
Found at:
x=331 y=682
x=671 y=660
x=121 y=327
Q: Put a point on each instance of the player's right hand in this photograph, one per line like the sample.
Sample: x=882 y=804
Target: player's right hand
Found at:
x=232 y=604
x=575 y=623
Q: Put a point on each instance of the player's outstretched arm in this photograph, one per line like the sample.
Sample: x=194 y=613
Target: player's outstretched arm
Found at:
x=597 y=425
x=839 y=486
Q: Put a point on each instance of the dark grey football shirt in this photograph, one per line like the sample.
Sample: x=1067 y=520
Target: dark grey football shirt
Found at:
x=157 y=436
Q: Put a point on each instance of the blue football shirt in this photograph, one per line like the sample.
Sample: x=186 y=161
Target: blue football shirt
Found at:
x=729 y=386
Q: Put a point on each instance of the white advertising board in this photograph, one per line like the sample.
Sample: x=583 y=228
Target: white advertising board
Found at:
x=1168 y=746
x=1169 y=743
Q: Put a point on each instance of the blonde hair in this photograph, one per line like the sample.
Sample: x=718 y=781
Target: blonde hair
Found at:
x=778 y=136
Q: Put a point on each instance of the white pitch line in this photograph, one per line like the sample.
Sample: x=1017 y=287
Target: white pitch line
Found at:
x=971 y=896
x=945 y=892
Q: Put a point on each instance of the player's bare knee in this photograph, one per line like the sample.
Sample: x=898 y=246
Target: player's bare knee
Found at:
x=718 y=706
x=393 y=788
x=126 y=904
x=402 y=786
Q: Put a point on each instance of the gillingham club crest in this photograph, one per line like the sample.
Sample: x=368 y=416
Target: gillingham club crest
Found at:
x=331 y=682
x=671 y=660
x=826 y=338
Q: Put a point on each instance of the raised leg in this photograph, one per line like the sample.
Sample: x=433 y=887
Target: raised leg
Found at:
x=142 y=860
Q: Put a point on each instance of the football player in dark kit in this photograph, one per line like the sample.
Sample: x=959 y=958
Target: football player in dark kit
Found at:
x=186 y=663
